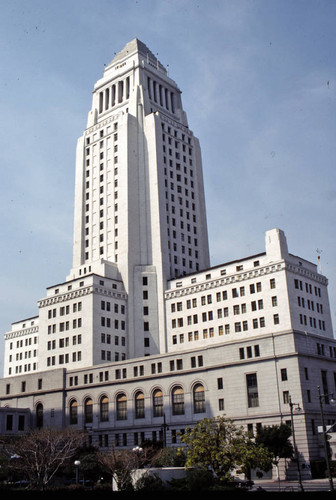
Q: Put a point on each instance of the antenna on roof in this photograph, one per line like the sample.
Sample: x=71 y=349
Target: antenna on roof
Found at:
x=318 y=251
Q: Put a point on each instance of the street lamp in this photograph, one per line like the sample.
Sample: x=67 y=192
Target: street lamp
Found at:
x=164 y=428
x=138 y=451
x=291 y=404
x=77 y=464
x=324 y=397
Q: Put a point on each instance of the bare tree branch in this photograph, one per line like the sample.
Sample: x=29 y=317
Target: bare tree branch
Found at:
x=40 y=454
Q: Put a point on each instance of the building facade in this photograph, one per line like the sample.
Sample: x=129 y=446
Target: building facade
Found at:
x=144 y=338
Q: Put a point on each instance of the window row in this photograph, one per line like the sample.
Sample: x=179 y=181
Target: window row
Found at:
x=65 y=326
x=313 y=322
x=249 y=352
x=19 y=356
x=108 y=355
x=310 y=304
x=138 y=371
x=27 y=342
x=107 y=306
x=108 y=323
x=322 y=350
x=64 y=342
x=106 y=338
x=22 y=368
x=299 y=285
x=116 y=94
x=224 y=312
x=122 y=406
x=224 y=295
x=237 y=327
x=76 y=306
x=206 y=317
x=64 y=358
x=161 y=95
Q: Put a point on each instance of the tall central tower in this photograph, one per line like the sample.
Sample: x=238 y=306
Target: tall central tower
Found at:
x=139 y=195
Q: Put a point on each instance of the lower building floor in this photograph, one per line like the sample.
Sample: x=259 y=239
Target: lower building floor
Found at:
x=275 y=378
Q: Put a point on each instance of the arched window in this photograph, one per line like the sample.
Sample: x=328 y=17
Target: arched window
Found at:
x=39 y=415
x=157 y=403
x=199 y=398
x=139 y=405
x=178 y=401
x=88 y=411
x=73 y=412
x=139 y=401
x=104 y=409
x=121 y=407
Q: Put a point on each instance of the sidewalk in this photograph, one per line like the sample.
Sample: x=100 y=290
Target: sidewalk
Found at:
x=309 y=485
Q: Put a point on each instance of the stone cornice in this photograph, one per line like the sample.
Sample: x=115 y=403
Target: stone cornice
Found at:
x=21 y=333
x=225 y=280
x=304 y=272
x=75 y=294
x=103 y=123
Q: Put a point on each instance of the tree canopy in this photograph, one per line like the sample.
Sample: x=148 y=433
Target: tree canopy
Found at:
x=276 y=439
x=219 y=445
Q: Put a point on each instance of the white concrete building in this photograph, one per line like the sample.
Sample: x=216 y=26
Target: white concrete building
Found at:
x=143 y=331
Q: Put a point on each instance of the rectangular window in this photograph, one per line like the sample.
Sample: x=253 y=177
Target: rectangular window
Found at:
x=9 y=423
x=285 y=396
x=21 y=423
x=276 y=319
x=325 y=385
x=252 y=390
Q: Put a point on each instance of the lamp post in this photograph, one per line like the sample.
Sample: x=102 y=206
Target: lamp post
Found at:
x=138 y=451
x=324 y=397
x=164 y=428
x=77 y=464
x=291 y=404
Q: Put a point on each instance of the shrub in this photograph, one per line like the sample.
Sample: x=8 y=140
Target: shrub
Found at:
x=149 y=482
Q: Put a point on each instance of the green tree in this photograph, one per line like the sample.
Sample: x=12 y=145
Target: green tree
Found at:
x=219 y=445
x=276 y=439
x=169 y=457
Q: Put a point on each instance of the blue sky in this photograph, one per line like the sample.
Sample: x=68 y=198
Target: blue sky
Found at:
x=259 y=87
